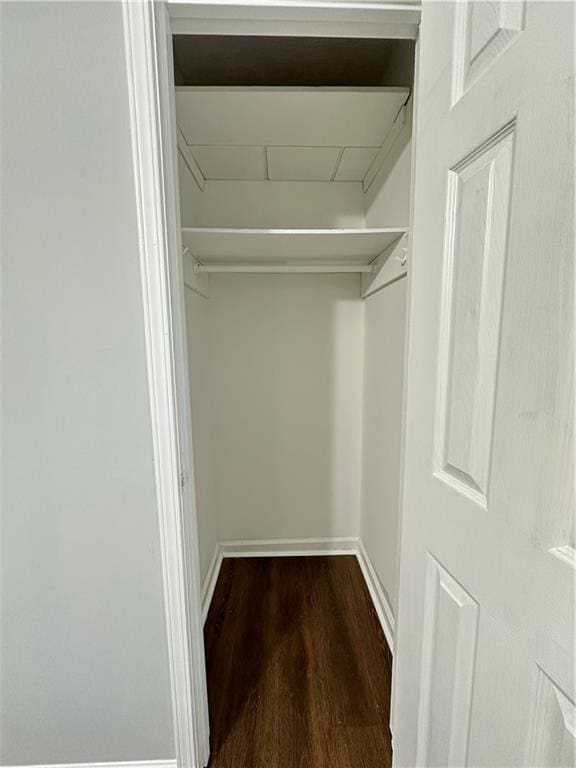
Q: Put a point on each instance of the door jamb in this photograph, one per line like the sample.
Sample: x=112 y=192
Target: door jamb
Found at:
x=413 y=157
x=148 y=26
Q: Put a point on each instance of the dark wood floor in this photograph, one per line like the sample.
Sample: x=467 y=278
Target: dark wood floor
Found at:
x=298 y=668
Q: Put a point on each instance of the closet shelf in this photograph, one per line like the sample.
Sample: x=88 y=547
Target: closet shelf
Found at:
x=219 y=246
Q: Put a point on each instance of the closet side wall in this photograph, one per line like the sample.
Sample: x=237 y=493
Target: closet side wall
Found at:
x=388 y=198
x=287 y=378
x=84 y=666
x=199 y=343
x=198 y=324
x=387 y=204
x=384 y=335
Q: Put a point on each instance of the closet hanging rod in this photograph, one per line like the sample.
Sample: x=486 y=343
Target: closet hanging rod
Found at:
x=311 y=269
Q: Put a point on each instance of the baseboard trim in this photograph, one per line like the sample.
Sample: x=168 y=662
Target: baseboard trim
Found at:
x=269 y=548
x=379 y=597
x=122 y=764
x=303 y=547
x=209 y=583
x=289 y=547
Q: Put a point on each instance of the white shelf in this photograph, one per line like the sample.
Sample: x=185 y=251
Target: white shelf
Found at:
x=287 y=246
x=234 y=116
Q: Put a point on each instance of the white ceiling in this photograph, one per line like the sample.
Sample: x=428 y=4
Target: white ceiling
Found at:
x=230 y=162
x=286 y=134
x=354 y=163
x=301 y=163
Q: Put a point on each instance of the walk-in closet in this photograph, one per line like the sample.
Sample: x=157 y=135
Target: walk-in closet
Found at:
x=294 y=160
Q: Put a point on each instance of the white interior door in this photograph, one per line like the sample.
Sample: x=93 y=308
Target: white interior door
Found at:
x=485 y=644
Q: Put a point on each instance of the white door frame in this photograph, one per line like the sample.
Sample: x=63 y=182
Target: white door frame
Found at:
x=148 y=28
x=147 y=61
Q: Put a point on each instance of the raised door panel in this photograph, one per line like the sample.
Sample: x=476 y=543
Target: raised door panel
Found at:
x=552 y=737
x=475 y=255
x=447 y=673
x=484 y=29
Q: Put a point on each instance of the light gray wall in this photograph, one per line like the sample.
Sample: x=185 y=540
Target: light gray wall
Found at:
x=84 y=657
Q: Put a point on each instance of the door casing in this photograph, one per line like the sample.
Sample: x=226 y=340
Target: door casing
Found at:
x=148 y=27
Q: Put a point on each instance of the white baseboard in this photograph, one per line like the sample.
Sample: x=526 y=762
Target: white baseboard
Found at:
x=209 y=583
x=289 y=547
x=304 y=547
x=269 y=548
x=122 y=764
x=378 y=595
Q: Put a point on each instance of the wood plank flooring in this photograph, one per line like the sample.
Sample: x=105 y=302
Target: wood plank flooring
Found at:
x=298 y=668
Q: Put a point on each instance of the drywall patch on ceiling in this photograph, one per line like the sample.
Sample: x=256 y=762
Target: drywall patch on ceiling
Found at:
x=286 y=134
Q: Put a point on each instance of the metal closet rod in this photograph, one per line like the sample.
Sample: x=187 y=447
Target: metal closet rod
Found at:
x=314 y=269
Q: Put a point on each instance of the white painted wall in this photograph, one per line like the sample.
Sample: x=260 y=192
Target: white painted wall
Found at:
x=84 y=657
x=199 y=333
x=387 y=204
x=287 y=379
x=283 y=204
x=388 y=199
x=384 y=337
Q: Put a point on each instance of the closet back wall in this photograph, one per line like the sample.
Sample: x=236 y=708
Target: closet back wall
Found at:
x=287 y=388
x=269 y=204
